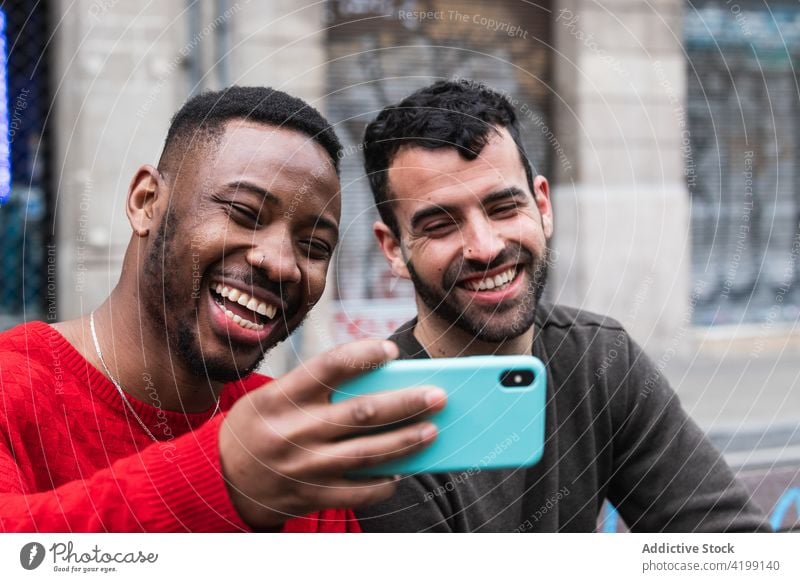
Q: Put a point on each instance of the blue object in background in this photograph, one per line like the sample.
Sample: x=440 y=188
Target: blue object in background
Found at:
x=790 y=498
x=26 y=285
x=609 y=519
x=5 y=146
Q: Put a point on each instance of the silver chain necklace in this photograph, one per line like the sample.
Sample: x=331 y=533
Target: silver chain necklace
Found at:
x=119 y=388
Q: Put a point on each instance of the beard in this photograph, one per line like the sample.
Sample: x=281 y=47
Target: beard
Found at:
x=165 y=305
x=504 y=321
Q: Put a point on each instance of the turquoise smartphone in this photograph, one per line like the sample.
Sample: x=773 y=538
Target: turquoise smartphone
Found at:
x=493 y=419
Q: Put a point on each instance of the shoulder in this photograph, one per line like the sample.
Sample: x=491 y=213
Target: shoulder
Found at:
x=25 y=353
x=589 y=349
x=555 y=316
x=567 y=329
x=22 y=338
x=32 y=374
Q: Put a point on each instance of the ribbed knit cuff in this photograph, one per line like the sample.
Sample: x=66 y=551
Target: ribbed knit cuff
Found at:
x=189 y=493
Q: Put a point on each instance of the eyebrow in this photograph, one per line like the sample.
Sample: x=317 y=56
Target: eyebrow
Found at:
x=512 y=192
x=249 y=186
x=429 y=211
x=450 y=209
x=322 y=222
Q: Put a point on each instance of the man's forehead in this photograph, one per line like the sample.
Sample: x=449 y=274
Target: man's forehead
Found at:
x=252 y=136
x=417 y=169
x=278 y=160
x=248 y=147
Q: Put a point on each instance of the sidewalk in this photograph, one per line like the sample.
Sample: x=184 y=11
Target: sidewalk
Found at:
x=736 y=391
x=750 y=408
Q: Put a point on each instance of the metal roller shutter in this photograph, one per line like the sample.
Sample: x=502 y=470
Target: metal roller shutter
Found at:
x=742 y=164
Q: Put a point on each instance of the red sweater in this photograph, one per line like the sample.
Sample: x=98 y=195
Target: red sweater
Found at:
x=73 y=459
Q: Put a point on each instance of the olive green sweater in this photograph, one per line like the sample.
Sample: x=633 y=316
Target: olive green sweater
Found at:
x=614 y=430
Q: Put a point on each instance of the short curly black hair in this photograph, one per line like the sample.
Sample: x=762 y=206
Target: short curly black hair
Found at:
x=202 y=119
x=460 y=114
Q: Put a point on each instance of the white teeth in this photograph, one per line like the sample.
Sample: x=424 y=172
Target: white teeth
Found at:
x=492 y=282
x=247 y=301
x=241 y=322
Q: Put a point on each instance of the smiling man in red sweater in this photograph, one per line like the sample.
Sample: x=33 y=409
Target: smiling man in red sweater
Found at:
x=145 y=415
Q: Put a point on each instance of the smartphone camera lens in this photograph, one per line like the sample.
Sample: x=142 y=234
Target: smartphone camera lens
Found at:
x=516 y=378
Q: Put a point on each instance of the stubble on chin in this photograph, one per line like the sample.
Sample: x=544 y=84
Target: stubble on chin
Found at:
x=217 y=369
x=520 y=316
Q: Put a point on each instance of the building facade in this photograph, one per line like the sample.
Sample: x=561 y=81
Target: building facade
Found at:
x=667 y=130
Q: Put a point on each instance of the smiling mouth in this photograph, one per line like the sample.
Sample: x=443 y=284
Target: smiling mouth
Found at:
x=244 y=310
x=496 y=283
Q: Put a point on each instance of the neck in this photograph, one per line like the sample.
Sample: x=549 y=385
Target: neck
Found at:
x=139 y=358
x=442 y=339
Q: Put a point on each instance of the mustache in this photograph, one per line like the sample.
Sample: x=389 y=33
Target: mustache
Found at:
x=464 y=267
x=259 y=280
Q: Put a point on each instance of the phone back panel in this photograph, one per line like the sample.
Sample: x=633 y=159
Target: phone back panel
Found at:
x=484 y=425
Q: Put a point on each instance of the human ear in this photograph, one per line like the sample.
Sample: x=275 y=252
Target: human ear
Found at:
x=391 y=249
x=541 y=194
x=146 y=187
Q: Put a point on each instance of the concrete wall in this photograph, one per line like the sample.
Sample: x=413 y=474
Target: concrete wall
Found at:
x=117 y=79
x=622 y=211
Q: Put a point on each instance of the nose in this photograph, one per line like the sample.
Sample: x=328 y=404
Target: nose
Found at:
x=482 y=242
x=275 y=255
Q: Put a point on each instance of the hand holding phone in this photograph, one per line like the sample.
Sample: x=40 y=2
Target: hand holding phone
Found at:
x=285 y=450
x=494 y=416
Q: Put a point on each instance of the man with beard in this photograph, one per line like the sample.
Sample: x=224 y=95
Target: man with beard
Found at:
x=145 y=415
x=465 y=218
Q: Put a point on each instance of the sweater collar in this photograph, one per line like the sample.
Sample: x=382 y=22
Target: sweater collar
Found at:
x=104 y=390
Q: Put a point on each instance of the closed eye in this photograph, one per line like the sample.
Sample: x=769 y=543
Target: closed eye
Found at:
x=243 y=214
x=438 y=228
x=504 y=210
x=316 y=249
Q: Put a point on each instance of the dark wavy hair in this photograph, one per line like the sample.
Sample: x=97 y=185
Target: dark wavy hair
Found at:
x=459 y=114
